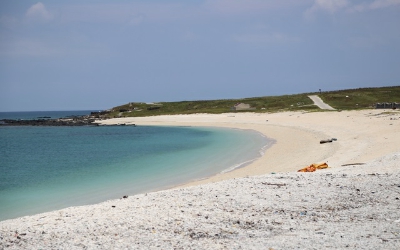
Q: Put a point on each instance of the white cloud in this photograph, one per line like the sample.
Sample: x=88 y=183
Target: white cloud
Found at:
x=39 y=11
x=139 y=12
x=136 y=19
x=190 y=36
x=377 y=4
x=124 y=13
x=333 y=6
x=326 y=5
x=265 y=38
x=75 y=45
x=26 y=47
x=235 y=7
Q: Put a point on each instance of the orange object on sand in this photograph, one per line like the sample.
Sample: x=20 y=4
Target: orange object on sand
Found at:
x=313 y=167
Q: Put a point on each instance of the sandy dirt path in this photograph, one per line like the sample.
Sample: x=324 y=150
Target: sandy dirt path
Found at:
x=321 y=104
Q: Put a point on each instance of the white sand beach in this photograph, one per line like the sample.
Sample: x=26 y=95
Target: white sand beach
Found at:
x=361 y=136
x=265 y=205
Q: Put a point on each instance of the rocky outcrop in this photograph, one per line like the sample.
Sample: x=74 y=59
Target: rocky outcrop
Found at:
x=74 y=121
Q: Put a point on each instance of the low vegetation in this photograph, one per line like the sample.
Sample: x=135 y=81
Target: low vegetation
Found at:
x=351 y=99
x=364 y=98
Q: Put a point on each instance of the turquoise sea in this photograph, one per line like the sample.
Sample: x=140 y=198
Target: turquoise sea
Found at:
x=48 y=168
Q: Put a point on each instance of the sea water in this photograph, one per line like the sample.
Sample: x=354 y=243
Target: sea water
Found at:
x=48 y=168
x=32 y=115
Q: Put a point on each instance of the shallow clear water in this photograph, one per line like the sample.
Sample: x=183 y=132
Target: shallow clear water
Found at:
x=48 y=168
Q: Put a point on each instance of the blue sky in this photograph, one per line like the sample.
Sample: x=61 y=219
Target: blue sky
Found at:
x=76 y=55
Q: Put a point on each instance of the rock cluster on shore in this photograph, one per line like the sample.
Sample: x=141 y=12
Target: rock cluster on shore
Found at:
x=355 y=207
x=76 y=121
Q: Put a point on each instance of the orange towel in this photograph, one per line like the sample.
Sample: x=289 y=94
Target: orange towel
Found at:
x=313 y=167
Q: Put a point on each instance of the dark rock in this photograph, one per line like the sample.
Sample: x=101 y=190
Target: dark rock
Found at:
x=75 y=121
x=325 y=141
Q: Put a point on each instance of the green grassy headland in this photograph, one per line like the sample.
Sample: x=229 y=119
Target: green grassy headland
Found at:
x=350 y=99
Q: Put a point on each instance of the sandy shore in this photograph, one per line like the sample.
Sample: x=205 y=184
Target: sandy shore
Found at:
x=356 y=206
x=361 y=136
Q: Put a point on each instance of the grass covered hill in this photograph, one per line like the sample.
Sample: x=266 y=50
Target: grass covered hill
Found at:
x=350 y=99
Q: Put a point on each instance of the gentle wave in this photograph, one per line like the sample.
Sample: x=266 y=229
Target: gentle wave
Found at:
x=262 y=151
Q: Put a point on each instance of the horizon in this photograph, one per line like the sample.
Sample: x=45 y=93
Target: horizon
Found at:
x=76 y=55
x=94 y=110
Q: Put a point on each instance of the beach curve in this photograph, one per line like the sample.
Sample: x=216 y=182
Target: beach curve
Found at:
x=355 y=206
x=360 y=136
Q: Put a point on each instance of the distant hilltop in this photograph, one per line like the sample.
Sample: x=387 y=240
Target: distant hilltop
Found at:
x=350 y=99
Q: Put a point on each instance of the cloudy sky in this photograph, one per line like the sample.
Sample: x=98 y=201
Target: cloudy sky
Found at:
x=78 y=55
